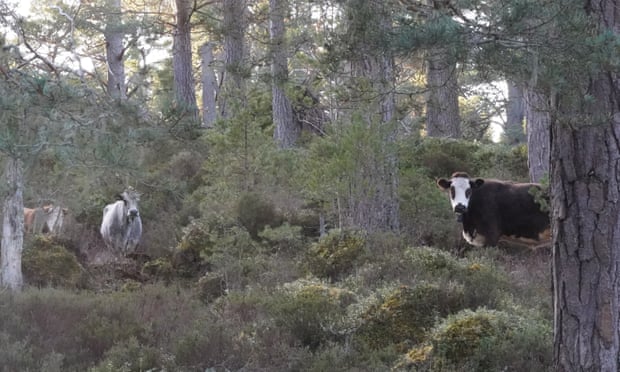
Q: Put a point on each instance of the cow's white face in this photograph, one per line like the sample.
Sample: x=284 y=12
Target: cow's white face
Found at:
x=460 y=189
x=130 y=200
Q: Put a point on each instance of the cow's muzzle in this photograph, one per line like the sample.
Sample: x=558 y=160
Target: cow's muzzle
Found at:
x=460 y=210
x=132 y=214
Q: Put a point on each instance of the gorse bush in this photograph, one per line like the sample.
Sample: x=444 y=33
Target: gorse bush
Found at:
x=489 y=340
x=47 y=263
x=310 y=311
x=336 y=254
x=483 y=283
x=408 y=314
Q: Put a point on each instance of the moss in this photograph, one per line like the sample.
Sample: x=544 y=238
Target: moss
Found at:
x=45 y=263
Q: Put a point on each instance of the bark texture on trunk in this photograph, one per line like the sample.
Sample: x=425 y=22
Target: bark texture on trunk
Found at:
x=287 y=130
x=209 y=86
x=115 y=52
x=233 y=80
x=585 y=179
x=515 y=113
x=12 y=226
x=538 y=121
x=442 y=106
x=372 y=202
x=184 y=85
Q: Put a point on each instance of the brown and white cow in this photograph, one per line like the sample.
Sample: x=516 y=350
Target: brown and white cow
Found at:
x=493 y=210
x=48 y=219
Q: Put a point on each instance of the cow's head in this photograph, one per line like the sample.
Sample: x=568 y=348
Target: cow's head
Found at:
x=460 y=188
x=130 y=198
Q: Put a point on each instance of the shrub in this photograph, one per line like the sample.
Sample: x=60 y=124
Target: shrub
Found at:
x=196 y=245
x=284 y=238
x=426 y=216
x=130 y=356
x=408 y=313
x=489 y=340
x=160 y=268
x=210 y=286
x=310 y=311
x=46 y=263
x=255 y=212
x=484 y=284
x=336 y=254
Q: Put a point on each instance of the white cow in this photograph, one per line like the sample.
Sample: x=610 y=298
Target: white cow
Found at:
x=121 y=227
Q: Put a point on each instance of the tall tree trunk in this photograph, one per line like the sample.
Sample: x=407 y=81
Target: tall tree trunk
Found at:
x=538 y=121
x=209 y=86
x=233 y=81
x=373 y=200
x=13 y=226
x=515 y=112
x=184 y=86
x=115 y=51
x=442 y=105
x=585 y=180
x=287 y=130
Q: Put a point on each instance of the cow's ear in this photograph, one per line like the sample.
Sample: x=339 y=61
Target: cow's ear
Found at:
x=476 y=183
x=443 y=183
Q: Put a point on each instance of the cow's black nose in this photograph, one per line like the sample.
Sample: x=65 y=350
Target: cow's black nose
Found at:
x=460 y=208
x=133 y=212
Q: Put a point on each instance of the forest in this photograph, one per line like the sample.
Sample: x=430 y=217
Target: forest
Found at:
x=286 y=154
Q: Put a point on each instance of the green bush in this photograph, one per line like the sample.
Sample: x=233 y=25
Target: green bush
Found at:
x=425 y=212
x=489 y=340
x=284 y=238
x=131 y=356
x=45 y=263
x=210 y=287
x=336 y=254
x=255 y=212
x=484 y=284
x=408 y=314
x=310 y=311
x=191 y=254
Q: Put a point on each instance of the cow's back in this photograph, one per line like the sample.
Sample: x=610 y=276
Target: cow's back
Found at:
x=112 y=221
x=507 y=209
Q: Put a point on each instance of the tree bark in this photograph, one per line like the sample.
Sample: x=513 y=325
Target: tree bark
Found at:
x=585 y=180
x=442 y=106
x=115 y=51
x=184 y=85
x=372 y=203
x=233 y=81
x=514 y=133
x=13 y=226
x=209 y=86
x=538 y=121
x=287 y=130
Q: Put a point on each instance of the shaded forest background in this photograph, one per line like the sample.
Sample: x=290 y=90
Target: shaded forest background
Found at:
x=286 y=153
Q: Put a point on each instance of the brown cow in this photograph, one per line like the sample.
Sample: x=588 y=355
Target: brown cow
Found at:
x=47 y=219
x=491 y=210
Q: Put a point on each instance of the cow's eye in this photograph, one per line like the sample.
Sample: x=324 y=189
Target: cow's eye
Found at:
x=468 y=193
x=452 y=192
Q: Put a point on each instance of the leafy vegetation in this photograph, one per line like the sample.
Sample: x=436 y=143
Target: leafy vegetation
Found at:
x=251 y=258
